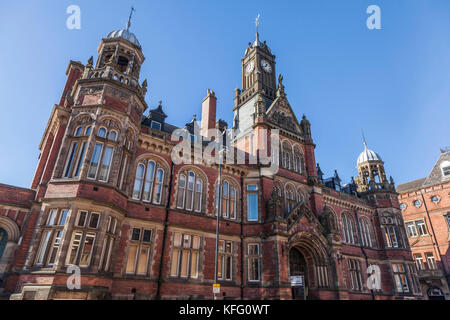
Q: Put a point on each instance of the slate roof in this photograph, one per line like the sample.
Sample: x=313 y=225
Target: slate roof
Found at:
x=409 y=186
x=434 y=178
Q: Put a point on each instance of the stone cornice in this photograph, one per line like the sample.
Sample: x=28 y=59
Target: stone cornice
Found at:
x=333 y=200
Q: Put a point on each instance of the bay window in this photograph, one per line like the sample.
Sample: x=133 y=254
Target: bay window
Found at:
x=400 y=278
x=51 y=237
x=83 y=239
x=108 y=244
x=102 y=155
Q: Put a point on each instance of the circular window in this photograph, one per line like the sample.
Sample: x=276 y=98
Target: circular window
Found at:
x=417 y=203
x=435 y=199
x=402 y=206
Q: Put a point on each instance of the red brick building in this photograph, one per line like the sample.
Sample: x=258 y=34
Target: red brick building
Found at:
x=107 y=197
x=425 y=205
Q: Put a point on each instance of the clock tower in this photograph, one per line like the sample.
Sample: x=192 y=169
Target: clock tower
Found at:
x=258 y=73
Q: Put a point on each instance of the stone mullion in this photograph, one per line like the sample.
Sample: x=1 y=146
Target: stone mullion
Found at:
x=34 y=246
x=89 y=149
x=98 y=246
x=66 y=239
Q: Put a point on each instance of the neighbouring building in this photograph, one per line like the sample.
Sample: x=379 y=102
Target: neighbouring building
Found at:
x=107 y=197
x=425 y=204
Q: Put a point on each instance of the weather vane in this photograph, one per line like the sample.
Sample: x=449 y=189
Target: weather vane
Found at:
x=364 y=137
x=257 y=23
x=129 y=19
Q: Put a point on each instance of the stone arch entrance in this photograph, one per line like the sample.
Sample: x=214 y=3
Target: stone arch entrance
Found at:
x=3 y=241
x=309 y=266
x=9 y=236
x=299 y=274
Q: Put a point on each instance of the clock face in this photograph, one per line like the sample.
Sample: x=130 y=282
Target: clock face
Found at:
x=266 y=66
x=250 y=67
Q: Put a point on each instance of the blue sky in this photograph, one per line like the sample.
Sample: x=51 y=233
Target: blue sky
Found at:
x=394 y=82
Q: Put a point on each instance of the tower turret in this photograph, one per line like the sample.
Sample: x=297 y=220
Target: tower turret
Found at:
x=371 y=174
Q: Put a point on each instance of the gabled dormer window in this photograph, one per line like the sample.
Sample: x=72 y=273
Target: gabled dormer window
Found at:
x=156 y=125
x=445 y=167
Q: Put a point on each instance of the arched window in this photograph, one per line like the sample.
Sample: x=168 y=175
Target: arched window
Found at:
x=290 y=199
x=229 y=202
x=103 y=152
x=286 y=156
x=190 y=192
x=88 y=131
x=299 y=163
x=392 y=236
x=77 y=151
x=112 y=135
x=349 y=229
x=78 y=131
x=367 y=238
x=148 y=183
x=101 y=132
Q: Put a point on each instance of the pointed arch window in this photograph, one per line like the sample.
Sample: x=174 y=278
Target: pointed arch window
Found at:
x=298 y=161
x=102 y=155
x=228 y=198
x=349 y=229
x=367 y=237
x=190 y=192
x=290 y=199
x=148 y=182
x=76 y=154
x=102 y=132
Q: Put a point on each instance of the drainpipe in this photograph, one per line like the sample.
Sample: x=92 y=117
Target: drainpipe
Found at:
x=435 y=238
x=362 y=248
x=169 y=196
x=242 y=237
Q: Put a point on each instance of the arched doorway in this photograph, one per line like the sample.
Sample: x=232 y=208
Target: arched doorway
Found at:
x=299 y=274
x=3 y=241
x=434 y=293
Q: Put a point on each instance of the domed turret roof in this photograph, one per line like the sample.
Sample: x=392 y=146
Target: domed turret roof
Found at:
x=368 y=155
x=124 y=34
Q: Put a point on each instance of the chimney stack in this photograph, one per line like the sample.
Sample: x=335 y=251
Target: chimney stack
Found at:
x=209 y=106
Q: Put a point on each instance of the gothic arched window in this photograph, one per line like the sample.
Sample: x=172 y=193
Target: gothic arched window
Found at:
x=77 y=148
x=190 y=191
x=391 y=232
x=299 y=162
x=228 y=198
x=349 y=229
x=103 y=152
x=367 y=236
x=148 y=182
x=286 y=156
x=290 y=199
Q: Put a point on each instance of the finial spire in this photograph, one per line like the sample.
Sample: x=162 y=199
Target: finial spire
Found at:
x=129 y=19
x=364 y=139
x=257 y=23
